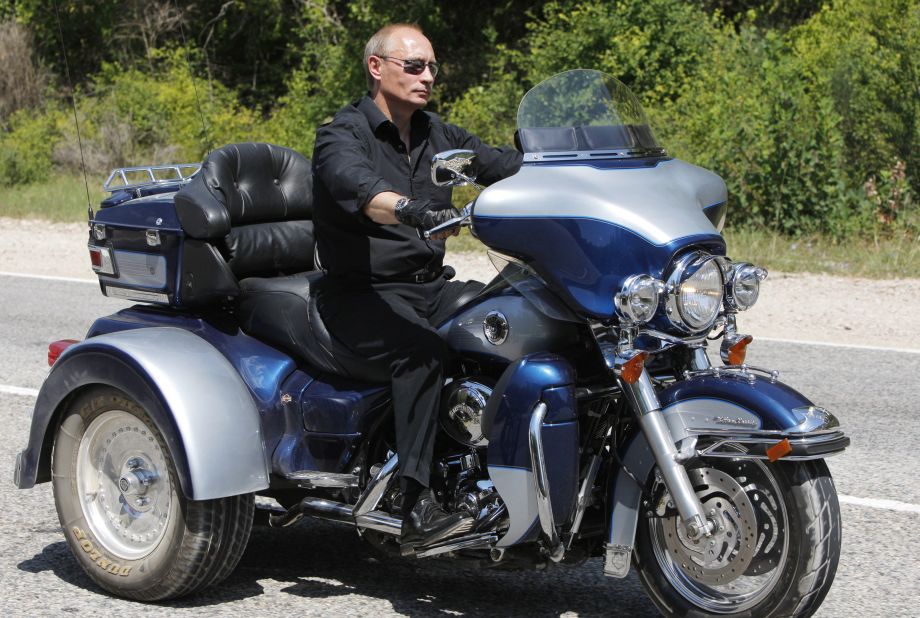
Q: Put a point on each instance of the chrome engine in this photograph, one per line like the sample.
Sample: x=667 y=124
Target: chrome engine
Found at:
x=462 y=405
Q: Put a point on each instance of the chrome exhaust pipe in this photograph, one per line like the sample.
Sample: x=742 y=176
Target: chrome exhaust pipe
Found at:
x=315 y=507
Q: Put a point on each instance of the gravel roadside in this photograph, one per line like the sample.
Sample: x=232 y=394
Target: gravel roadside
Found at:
x=817 y=308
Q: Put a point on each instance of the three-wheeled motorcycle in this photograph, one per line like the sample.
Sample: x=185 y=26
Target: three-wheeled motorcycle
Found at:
x=581 y=416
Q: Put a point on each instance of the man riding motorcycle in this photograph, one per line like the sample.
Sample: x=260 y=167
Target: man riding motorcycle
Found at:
x=373 y=200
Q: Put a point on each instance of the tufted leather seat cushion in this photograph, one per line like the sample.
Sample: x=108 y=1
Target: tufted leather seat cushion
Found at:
x=253 y=202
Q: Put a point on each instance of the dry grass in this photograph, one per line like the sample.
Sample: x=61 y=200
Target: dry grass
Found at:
x=62 y=198
x=875 y=258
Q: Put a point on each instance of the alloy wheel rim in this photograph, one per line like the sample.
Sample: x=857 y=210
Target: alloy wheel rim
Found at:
x=123 y=485
x=746 y=558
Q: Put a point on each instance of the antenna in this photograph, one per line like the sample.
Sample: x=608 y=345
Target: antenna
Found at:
x=73 y=104
x=188 y=62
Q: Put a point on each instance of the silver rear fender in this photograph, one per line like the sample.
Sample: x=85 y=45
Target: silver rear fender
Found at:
x=191 y=391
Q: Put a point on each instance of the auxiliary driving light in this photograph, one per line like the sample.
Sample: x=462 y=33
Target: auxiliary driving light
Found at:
x=637 y=300
x=743 y=286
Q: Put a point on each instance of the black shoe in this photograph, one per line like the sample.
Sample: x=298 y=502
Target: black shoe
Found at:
x=427 y=523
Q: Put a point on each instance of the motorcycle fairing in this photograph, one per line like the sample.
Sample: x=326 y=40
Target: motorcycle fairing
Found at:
x=705 y=406
x=585 y=228
x=193 y=394
x=524 y=384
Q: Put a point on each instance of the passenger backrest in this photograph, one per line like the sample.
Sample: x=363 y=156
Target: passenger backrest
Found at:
x=246 y=213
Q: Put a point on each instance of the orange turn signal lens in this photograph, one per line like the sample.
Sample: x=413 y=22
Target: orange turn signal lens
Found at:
x=738 y=351
x=778 y=450
x=632 y=369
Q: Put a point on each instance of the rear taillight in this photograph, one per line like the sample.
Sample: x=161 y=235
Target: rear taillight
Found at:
x=101 y=259
x=57 y=348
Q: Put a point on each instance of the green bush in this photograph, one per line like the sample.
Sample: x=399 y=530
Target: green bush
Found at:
x=26 y=150
x=128 y=117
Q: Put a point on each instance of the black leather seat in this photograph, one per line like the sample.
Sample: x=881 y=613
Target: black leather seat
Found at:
x=250 y=208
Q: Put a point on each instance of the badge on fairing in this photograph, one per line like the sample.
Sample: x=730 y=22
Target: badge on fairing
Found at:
x=495 y=327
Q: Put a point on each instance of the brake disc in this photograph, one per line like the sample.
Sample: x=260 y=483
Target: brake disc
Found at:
x=726 y=554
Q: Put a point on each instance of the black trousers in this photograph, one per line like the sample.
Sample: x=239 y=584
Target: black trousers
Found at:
x=392 y=325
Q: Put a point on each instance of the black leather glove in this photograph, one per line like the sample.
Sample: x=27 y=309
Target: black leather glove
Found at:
x=419 y=214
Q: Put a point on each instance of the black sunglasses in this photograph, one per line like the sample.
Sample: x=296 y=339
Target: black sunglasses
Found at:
x=415 y=66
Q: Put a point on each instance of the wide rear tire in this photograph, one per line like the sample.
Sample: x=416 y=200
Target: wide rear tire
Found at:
x=777 y=555
x=122 y=509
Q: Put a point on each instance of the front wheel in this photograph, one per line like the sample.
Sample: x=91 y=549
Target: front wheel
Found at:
x=775 y=553
x=122 y=510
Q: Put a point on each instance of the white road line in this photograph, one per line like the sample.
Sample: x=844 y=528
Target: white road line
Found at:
x=839 y=345
x=872 y=503
x=879 y=503
x=47 y=277
x=18 y=390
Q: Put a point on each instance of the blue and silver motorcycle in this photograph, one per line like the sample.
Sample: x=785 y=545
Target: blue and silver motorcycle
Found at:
x=582 y=415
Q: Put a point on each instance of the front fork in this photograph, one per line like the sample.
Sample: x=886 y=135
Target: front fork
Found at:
x=644 y=401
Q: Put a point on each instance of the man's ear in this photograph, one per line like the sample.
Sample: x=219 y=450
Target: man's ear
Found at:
x=373 y=66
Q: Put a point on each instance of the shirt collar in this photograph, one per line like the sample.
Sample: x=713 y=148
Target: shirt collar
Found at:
x=375 y=117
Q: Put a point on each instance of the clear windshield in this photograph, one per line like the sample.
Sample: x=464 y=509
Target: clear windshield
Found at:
x=584 y=111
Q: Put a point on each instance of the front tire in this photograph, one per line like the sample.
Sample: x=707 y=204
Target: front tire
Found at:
x=123 y=512
x=776 y=555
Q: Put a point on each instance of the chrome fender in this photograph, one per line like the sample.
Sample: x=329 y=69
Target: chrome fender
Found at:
x=190 y=390
x=734 y=408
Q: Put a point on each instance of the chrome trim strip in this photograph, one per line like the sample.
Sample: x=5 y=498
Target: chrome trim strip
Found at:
x=589 y=155
x=813 y=439
x=765 y=434
x=541 y=482
x=309 y=479
x=376 y=488
x=114 y=291
x=380 y=521
x=474 y=541
x=740 y=371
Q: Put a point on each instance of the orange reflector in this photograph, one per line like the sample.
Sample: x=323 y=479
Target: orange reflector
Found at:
x=737 y=352
x=57 y=348
x=780 y=449
x=632 y=369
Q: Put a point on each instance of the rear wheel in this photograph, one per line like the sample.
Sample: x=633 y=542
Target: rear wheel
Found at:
x=123 y=512
x=775 y=553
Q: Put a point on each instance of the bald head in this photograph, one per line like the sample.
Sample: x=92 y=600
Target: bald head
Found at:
x=388 y=38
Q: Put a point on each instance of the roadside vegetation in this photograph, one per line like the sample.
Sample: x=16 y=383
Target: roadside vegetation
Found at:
x=809 y=111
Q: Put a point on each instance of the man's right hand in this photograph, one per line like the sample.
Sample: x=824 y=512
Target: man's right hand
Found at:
x=419 y=214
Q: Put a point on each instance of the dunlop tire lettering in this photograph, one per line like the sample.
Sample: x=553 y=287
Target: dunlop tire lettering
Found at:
x=96 y=555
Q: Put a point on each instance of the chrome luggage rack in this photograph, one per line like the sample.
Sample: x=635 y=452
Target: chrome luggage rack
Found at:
x=147 y=175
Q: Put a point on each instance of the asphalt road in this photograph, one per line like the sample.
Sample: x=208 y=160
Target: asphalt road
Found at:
x=322 y=569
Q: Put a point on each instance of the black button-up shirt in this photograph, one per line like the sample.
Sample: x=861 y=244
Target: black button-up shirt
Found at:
x=360 y=154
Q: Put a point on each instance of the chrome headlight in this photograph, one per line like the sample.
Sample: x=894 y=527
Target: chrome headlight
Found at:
x=637 y=300
x=695 y=290
x=743 y=286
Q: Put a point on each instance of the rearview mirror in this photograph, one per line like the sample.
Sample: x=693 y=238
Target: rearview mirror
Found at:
x=447 y=168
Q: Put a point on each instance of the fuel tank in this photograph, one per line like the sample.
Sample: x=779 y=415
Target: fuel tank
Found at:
x=506 y=326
